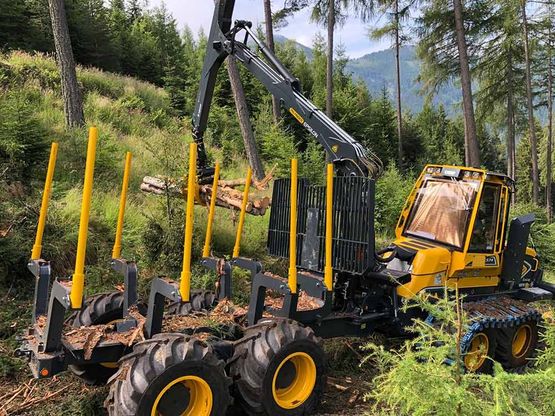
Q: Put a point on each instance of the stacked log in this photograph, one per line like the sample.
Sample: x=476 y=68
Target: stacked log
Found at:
x=227 y=196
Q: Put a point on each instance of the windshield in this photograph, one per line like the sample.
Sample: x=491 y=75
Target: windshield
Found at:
x=442 y=210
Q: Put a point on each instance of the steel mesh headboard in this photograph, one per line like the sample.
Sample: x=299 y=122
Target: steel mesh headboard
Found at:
x=353 y=224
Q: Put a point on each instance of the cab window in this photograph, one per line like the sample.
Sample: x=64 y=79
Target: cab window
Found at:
x=442 y=210
x=483 y=234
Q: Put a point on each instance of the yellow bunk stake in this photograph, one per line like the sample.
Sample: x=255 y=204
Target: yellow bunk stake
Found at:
x=237 y=247
x=116 y=252
x=328 y=271
x=208 y=239
x=37 y=247
x=293 y=230
x=76 y=295
x=185 y=283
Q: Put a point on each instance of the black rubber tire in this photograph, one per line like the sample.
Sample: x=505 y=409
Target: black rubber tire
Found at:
x=504 y=352
x=487 y=366
x=98 y=310
x=201 y=300
x=155 y=363
x=257 y=358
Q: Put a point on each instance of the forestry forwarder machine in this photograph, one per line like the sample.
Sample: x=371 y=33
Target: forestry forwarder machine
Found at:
x=453 y=232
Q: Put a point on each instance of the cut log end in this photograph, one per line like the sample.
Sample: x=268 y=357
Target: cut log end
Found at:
x=226 y=197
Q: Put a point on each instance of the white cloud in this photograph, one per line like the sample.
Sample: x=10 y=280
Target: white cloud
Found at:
x=198 y=14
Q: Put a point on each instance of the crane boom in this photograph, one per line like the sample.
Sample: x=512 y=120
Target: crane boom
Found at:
x=347 y=154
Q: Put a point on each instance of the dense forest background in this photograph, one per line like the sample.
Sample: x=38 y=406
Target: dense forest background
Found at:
x=139 y=74
x=132 y=39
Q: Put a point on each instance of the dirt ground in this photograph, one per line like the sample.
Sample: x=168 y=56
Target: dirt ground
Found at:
x=66 y=394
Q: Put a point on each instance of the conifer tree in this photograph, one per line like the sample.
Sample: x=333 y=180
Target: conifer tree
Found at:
x=393 y=28
x=333 y=13
x=447 y=46
x=501 y=76
x=530 y=106
x=269 y=25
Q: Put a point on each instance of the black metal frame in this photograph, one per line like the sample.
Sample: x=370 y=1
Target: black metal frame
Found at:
x=128 y=269
x=348 y=155
x=353 y=224
x=322 y=320
x=45 y=348
x=160 y=290
x=42 y=271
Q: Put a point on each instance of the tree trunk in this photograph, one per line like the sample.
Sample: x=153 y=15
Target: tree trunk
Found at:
x=276 y=109
x=71 y=94
x=511 y=155
x=244 y=119
x=398 y=68
x=472 y=149
x=531 y=123
x=329 y=69
x=510 y=121
x=548 y=171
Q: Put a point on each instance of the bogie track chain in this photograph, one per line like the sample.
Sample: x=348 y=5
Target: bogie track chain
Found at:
x=498 y=314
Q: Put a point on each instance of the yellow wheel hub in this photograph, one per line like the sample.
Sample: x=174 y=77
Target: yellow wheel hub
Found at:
x=521 y=341
x=294 y=380
x=477 y=354
x=199 y=395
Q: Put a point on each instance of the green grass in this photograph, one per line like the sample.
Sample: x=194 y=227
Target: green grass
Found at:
x=131 y=116
x=549 y=276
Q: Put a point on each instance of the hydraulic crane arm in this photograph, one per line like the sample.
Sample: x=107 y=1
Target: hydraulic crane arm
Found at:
x=348 y=155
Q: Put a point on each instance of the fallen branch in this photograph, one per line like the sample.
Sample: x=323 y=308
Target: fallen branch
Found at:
x=359 y=356
x=11 y=399
x=38 y=400
x=337 y=386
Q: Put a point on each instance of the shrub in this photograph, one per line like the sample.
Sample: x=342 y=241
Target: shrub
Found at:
x=392 y=191
x=99 y=82
x=277 y=147
x=22 y=144
x=313 y=163
x=417 y=379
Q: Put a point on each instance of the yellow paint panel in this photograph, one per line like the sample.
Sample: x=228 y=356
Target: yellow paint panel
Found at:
x=294 y=113
x=78 y=280
x=185 y=282
x=116 y=251
x=37 y=247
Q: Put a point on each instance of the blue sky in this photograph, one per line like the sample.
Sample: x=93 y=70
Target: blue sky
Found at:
x=198 y=13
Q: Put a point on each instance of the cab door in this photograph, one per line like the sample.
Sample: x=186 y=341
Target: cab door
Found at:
x=483 y=258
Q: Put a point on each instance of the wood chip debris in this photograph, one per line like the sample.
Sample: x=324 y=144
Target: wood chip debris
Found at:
x=225 y=313
x=88 y=337
x=40 y=322
x=305 y=302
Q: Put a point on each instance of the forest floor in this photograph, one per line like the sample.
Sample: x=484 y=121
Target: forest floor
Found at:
x=67 y=394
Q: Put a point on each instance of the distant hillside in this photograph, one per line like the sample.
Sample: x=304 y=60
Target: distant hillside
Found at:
x=305 y=49
x=377 y=70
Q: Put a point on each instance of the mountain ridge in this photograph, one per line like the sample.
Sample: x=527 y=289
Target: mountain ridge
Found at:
x=377 y=71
